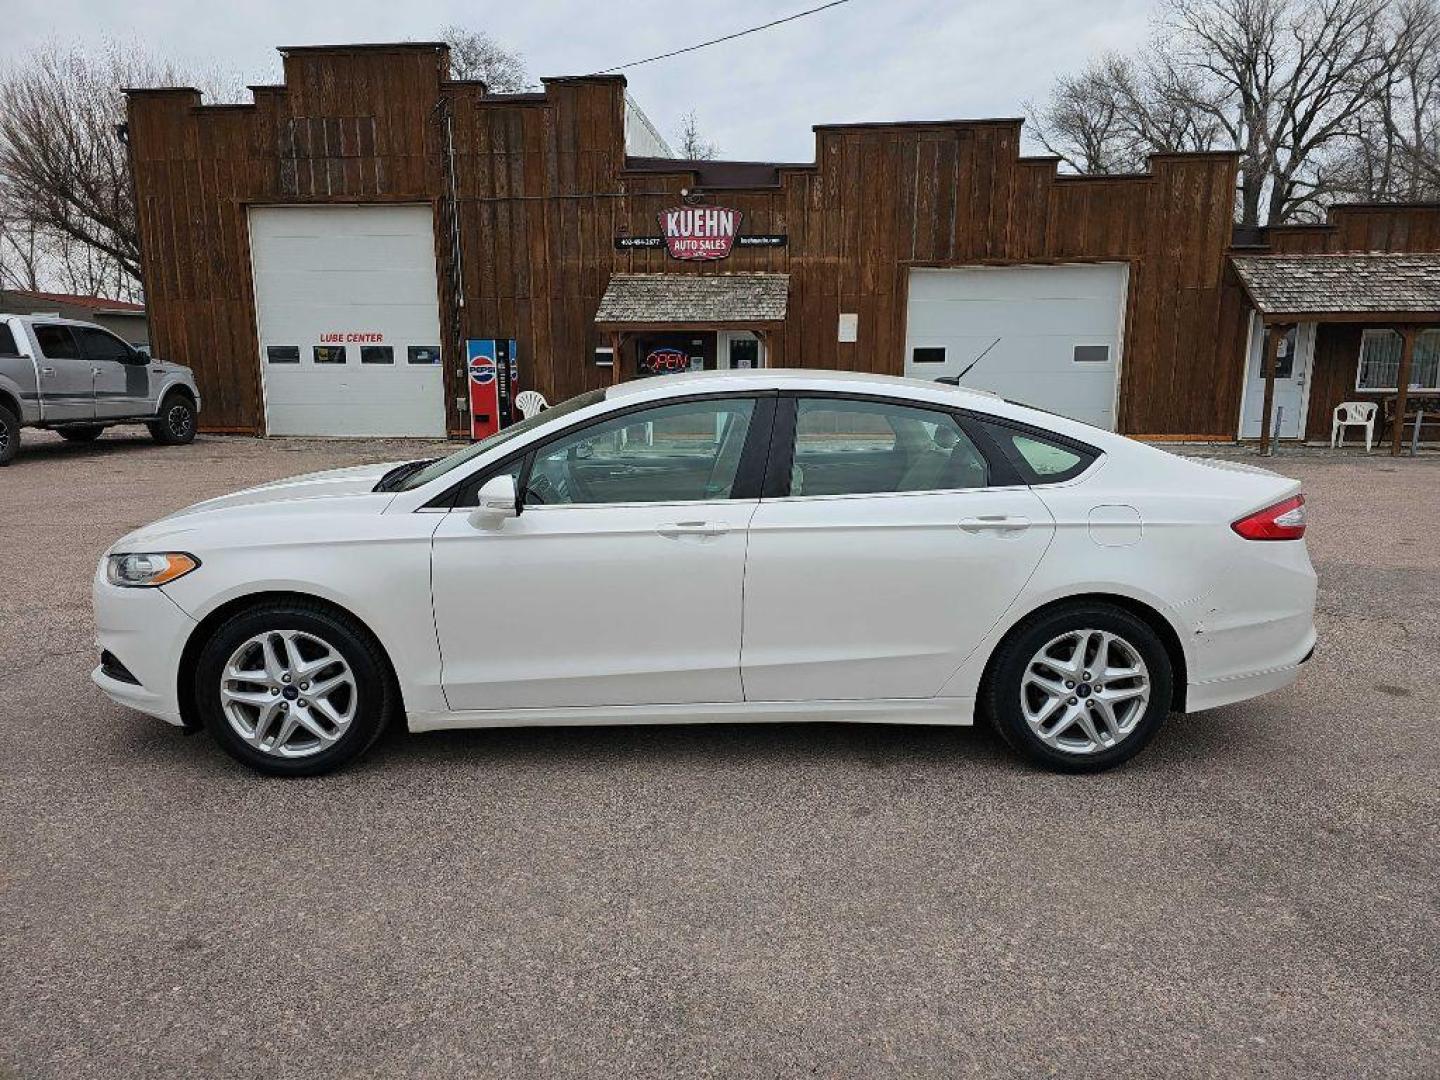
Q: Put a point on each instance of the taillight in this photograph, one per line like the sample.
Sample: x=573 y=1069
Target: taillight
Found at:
x=1283 y=521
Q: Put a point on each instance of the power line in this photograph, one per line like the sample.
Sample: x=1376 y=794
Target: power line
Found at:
x=727 y=37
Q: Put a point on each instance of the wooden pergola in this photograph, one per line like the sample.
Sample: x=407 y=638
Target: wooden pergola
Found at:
x=649 y=303
x=1399 y=292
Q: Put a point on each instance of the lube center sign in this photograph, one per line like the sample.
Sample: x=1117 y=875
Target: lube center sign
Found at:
x=699 y=232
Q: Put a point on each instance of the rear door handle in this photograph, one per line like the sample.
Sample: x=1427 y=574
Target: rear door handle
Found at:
x=47 y=371
x=995 y=523
x=678 y=529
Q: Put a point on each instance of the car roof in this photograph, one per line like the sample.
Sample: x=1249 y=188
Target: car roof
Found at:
x=50 y=317
x=861 y=383
x=792 y=379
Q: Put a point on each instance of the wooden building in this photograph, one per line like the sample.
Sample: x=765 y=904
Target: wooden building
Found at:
x=322 y=256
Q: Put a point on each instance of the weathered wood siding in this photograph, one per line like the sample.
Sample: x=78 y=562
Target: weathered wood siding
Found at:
x=543 y=191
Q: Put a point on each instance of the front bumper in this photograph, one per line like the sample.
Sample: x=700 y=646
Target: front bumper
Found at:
x=147 y=632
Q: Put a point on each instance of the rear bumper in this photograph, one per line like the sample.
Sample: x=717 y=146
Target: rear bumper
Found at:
x=1213 y=693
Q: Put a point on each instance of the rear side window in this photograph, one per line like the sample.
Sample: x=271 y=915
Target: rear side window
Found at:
x=7 y=341
x=1041 y=457
x=860 y=447
x=56 y=342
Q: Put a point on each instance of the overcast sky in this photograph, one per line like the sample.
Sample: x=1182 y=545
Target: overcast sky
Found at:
x=756 y=98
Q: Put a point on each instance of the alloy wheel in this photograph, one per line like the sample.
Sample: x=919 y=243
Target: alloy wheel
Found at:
x=178 y=420
x=1085 y=691
x=288 y=693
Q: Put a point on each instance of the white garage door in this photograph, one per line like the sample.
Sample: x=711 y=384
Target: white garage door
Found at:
x=1052 y=333
x=349 y=320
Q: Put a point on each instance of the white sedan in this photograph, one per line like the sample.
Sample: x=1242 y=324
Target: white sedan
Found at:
x=766 y=545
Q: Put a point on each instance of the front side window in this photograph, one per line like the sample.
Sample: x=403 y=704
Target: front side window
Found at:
x=56 y=342
x=686 y=452
x=555 y=413
x=99 y=345
x=845 y=447
x=1379 y=367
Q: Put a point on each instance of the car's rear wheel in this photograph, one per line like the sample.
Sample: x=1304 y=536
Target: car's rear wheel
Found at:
x=9 y=436
x=1081 y=687
x=81 y=432
x=176 y=423
x=293 y=689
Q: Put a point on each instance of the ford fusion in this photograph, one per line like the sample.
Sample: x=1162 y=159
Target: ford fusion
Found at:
x=732 y=546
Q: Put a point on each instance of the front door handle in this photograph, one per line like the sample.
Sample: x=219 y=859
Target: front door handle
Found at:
x=1003 y=523
x=47 y=371
x=678 y=529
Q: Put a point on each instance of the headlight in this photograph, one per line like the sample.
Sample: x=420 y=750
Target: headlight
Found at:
x=145 y=571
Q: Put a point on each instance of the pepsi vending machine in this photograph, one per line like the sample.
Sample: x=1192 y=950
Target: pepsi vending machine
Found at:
x=493 y=367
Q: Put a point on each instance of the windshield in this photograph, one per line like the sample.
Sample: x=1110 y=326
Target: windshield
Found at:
x=439 y=468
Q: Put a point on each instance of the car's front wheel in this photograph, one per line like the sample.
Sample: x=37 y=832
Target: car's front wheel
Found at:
x=293 y=688
x=176 y=423
x=1081 y=687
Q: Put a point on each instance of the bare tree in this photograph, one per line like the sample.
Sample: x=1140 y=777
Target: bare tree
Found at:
x=65 y=187
x=1394 y=150
x=1285 y=82
x=1117 y=112
x=476 y=55
x=692 y=145
x=20 y=254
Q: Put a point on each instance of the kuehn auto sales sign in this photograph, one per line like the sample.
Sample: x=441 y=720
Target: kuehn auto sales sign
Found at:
x=699 y=232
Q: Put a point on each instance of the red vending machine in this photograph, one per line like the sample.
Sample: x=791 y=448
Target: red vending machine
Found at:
x=494 y=370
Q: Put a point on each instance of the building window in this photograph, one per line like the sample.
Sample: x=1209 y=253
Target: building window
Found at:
x=377 y=354
x=282 y=354
x=1092 y=354
x=928 y=354
x=329 y=354
x=1379 y=367
x=424 y=354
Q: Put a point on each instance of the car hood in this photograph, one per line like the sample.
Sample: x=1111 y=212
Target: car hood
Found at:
x=318 y=490
x=330 y=484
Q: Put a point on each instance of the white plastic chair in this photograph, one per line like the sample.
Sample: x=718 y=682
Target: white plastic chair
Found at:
x=530 y=402
x=1353 y=414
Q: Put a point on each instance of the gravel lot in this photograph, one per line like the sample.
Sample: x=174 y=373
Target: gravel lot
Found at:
x=1255 y=895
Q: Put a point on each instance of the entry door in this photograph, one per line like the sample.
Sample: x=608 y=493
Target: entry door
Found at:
x=67 y=379
x=1292 y=372
x=888 y=562
x=122 y=382
x=621 y=581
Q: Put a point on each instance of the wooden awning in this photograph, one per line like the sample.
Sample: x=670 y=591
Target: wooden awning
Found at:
x=693 y=301
x=1342 y=287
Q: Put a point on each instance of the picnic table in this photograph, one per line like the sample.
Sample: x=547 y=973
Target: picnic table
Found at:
x=1421 y=406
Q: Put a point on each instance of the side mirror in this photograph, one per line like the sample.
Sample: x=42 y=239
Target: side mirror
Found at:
x=496 y=501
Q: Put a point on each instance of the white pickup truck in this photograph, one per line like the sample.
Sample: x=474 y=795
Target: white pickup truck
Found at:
x=77 y=378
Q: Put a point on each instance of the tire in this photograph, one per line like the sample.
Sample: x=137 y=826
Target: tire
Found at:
x=176 y=423
x=9 y=436
x=81 y=433
x=1066 y=723
x=299 y=634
